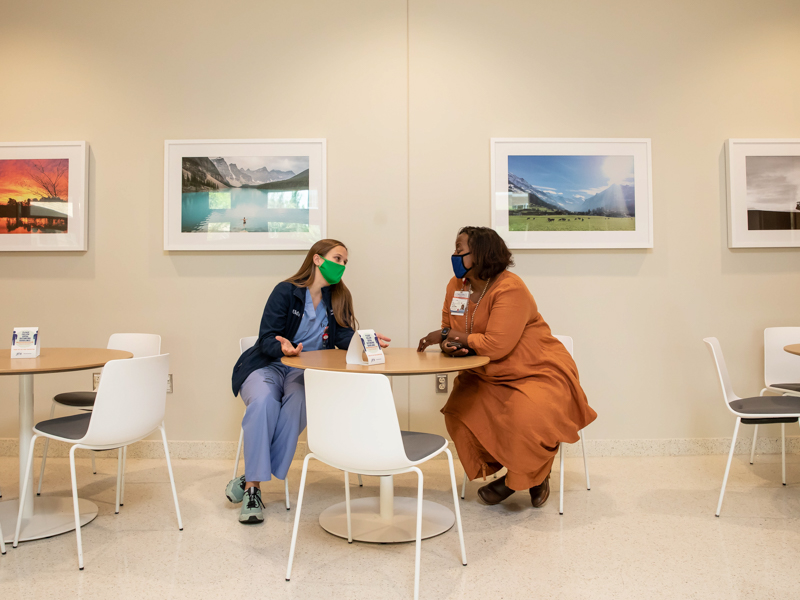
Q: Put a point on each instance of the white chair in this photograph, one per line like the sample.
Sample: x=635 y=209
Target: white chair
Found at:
x=757 y=410
x=567 y=341
x=353 y=426
x=780 y=369
x=130 y=404
x=246 y=343
x=138 y=344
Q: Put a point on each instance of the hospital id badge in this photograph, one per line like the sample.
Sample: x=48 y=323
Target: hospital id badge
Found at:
x=458 y=306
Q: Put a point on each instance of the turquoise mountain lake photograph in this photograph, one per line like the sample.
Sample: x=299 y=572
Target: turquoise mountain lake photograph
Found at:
x=245 y=194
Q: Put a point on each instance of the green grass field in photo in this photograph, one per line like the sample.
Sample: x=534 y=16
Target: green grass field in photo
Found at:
x=570 y=223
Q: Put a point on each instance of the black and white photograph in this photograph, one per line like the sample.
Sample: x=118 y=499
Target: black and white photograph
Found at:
x=773 y=192
x=763 y=191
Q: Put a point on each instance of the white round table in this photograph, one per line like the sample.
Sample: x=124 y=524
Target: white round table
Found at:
x=45 y=516
x=387 y=519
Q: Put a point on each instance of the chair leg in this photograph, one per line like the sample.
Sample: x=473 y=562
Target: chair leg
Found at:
x=119 y=478
x=783 y=452
x=347 y=507
x=122 y=479
x=457 y=507
x=728 y=466
x=297 y=516
x=94 y=467
x=171 y=478
x=23 y=492
x=44 y=454
x=585 y=462
x=464 y=486
x=238 y=453
x=286 y=489
x=561 y=478
x=2 y=542
x=360 y=483
x=418 y=546
x=75 y=506
x=753 y=449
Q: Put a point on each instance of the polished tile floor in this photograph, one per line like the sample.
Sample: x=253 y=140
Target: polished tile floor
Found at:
x=645 y=530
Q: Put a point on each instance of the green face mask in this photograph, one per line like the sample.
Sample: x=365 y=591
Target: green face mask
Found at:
x=331 y=271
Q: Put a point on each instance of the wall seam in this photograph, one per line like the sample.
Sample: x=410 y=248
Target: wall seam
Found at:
x=408 y=196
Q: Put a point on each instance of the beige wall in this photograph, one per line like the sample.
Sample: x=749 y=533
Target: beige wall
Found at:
x=408 y=97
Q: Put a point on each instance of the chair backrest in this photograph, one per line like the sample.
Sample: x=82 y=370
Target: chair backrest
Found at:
x=352 y=421
x=130 y=402
x=722 y=371
x=567 y=341
x=138 y=344
x=779 y=365
x=246 y=343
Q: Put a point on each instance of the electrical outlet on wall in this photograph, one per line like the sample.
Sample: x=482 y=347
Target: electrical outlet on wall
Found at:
x=441 y=383
x=169 y=384
x=95 y=381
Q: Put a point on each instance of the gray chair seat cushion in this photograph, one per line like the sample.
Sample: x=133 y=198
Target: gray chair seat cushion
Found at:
x=79 y=399
x=419 y=445
x=767 y=405
x=73 y=427
x=789 y=387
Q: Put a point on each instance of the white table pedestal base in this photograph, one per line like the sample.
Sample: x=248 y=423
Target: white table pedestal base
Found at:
x=52 y=516
x=369 y=526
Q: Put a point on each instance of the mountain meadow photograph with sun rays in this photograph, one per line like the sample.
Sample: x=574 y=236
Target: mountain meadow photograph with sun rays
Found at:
x=571 y=193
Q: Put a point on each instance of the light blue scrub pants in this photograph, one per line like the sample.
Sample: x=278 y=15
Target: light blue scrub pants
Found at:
x=275 y=398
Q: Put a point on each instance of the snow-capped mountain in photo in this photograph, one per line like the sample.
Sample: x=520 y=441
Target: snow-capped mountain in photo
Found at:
x=239 y=177
x=616 y=198
x=518 y=185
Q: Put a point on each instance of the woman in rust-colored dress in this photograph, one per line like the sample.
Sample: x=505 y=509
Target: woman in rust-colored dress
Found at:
x=514 y=411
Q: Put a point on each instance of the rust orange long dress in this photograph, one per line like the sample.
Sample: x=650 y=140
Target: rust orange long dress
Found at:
x=514 y=411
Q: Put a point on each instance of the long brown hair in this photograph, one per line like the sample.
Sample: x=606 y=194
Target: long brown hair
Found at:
x=341 y=299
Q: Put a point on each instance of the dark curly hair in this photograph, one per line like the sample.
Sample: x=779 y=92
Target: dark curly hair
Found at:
x=490 y=255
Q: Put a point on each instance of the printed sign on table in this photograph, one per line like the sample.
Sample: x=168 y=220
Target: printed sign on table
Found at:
x=365 y=341
x=25 y=342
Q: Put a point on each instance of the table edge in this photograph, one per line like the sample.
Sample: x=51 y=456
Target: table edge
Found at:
x=43 y=371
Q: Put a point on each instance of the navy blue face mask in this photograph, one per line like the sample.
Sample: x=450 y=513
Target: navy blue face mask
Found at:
x=458 y=265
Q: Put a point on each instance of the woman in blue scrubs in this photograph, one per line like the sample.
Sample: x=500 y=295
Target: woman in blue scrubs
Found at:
x=312 y=310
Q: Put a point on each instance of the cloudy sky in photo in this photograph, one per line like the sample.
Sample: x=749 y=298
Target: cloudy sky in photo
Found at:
x=773 y=182
x=577 y=176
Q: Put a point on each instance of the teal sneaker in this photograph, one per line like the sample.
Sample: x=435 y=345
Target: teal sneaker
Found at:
x=251 y=507
x=234 y=491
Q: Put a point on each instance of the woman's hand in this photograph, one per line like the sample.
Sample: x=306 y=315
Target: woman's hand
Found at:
x=434 y=337
x=454 y=337
x=383 y=340
x=287 y=348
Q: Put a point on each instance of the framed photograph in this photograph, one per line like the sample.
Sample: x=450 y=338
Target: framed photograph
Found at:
x=763 y=193
x=244 y=194
x=572 y=193
x=44 y=196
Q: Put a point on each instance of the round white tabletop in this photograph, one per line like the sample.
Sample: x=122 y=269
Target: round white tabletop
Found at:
x=387 y=519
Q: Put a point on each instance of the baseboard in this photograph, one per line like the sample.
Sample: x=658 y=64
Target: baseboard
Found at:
x=181 y=449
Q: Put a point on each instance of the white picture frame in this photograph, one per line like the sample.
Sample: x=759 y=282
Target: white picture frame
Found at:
x=44 y=197
x=626 y=222
x=285 y=213
x=763 y=193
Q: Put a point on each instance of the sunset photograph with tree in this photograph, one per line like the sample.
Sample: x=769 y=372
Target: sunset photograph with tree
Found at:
x=34 y=196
